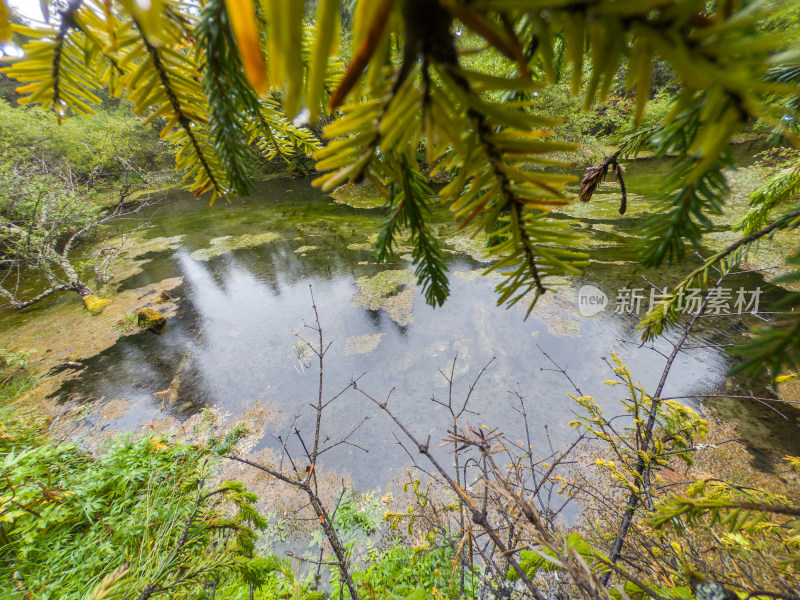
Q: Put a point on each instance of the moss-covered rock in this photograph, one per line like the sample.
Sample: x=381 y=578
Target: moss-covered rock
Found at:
x=163 y=297
x=94 y=304
x=152 y=320
x=228 y=243
x=391 y=291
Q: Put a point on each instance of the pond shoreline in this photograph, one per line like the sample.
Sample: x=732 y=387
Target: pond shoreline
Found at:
x=303 y=246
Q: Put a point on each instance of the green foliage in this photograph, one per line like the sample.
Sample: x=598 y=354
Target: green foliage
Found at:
x=696 y=187
x=13 y=359
x=14 y=379
x=777 y=347
x=748 y=521
x=35 y=201
x=403 y=573
x=96 y=150
x=239 y=115
x=138 y=515
x=546 y=560
x=473 y=113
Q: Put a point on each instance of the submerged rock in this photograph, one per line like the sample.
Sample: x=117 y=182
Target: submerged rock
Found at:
x=152 y=320
x=229 y=243
x=94 y=304
x=362 y=344
x=390 y=291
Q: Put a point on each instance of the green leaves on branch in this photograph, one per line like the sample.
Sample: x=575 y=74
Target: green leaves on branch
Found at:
x=164 y=82
x=777 y=346
x=676 y=428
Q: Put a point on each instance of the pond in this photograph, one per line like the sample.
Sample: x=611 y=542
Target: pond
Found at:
x=248 y=268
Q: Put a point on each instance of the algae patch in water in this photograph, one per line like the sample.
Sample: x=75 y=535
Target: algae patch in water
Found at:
x=366 y=247
x=228 y=243
x=362 y=344
x=474 y=274
x=390 y=291
x=557 y=312
x=474 y=247
x=129 y=261
x=399 y=247
x=358 y=196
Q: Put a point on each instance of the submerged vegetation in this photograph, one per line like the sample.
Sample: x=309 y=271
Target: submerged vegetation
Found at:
x=403 y=105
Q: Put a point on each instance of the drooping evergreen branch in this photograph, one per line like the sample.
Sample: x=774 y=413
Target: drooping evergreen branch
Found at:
x=178 y=96
x=55 y=67
x=230 y=96
x=409 y=201
x=780 y=188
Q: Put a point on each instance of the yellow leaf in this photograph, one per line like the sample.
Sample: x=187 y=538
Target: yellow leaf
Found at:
x=327 y=13
x=242 y=14
x=5 y=24
x=784 y=378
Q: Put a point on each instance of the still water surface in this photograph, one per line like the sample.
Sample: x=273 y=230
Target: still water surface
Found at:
x=234 y=341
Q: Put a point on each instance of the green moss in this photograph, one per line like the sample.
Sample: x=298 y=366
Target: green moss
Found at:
x=228 y=243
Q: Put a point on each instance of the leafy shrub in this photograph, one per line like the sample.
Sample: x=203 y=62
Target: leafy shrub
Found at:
x=138 y=516
x=108 y=145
